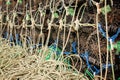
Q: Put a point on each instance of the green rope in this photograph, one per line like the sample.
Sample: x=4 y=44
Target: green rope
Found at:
x=8 y=2
x=20 y=1
x=88 y=73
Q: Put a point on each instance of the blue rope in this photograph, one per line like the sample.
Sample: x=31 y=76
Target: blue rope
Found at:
x=115 y=35
x=93 y=69
x=17 y=39
x=74 y=50
x=104 y=33
x=11 y=37
x=101 y=30
x=86 y=57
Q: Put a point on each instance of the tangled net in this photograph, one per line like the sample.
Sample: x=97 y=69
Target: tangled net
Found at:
x=17 y=64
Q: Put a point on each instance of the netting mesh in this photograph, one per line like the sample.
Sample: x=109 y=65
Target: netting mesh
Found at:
x=49 y=39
